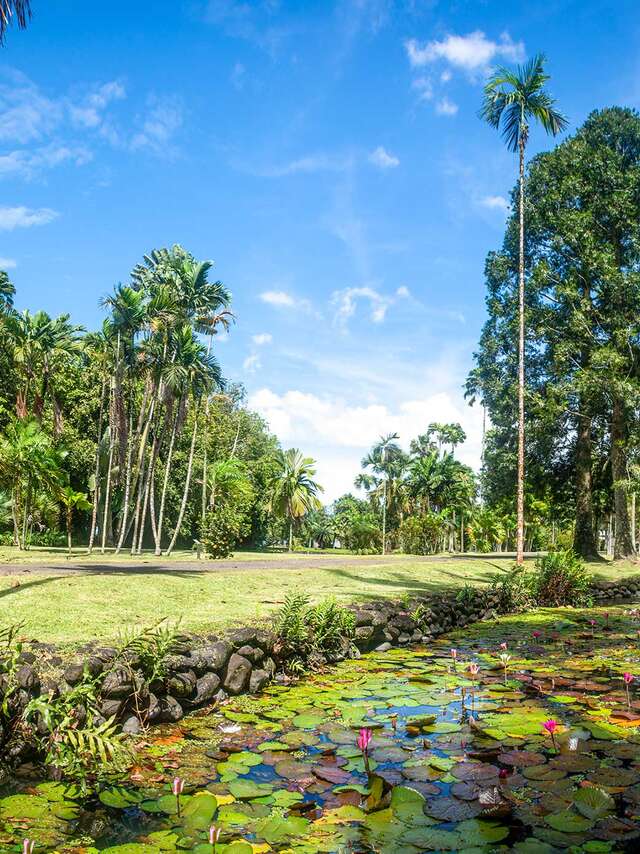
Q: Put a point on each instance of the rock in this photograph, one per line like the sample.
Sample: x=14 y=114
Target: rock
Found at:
x=119 y=683
x=170 y=710
x=384 y=647
x=131 y=725
x=364 y=633
x=212 y=658
x=111 y=708
x=206 y=688
x=237 y=676
x=74 y=673
x=404 y=639
x=253 y=637
x=154 y=710
x=270 y=667
x=182 y=684
x=178 y=663
x=253 y=654
x=27 y=678
x=258 y=680
x=364 y=618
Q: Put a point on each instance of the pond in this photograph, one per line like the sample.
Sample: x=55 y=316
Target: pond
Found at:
x=537 y=752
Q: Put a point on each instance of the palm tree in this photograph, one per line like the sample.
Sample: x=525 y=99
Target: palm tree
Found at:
x=512 y=99
x=40 y=343
x=13 y=10
x=28 y=463
x=229 y=481
x=294 y=491
x=388 y=461
x=70 y=500
x=7 y=293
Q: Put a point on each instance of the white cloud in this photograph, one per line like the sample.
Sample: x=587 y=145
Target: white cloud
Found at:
x=445 y=107
x=308 y=164
x=27 y=163
x=88 y=112
x=403 y=291
x=283 y=299
x=345 y=302
x=472 y=53
x=495 y=203
x=8 y=264
x=252 y=363
x=262 y=338
x=424 y=88
x=159 y=124
x=381 y=157
x=22 y=217
x=338 y=432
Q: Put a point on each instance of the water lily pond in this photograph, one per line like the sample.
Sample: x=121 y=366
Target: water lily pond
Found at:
x=537 y=752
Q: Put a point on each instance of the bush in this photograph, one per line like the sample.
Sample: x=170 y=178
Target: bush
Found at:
x=303 y=631
x=513 y=588
x=560 y=578
x=222 y=530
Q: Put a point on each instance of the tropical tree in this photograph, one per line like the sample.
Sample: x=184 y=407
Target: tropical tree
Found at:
x=512 y=100
x=229 y=481
x=29 y=463
x=385 y=466
x=72 y=500
x=18 y=11
x=294 y=492
x=7 y=293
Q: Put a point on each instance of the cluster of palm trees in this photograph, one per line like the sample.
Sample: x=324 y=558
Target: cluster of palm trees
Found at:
x=427 y=483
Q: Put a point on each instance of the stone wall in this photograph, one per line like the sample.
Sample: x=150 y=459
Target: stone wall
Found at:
x=205 y=670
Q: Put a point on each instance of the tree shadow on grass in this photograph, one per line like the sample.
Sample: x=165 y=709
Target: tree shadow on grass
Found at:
x=397 y=581
x=23 y=585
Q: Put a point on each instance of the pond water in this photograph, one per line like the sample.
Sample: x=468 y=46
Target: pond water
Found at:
x=457 y=761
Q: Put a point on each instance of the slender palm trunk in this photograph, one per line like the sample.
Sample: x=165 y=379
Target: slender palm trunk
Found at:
x=96 y=472
x=520 y=490
x=187 y=484
x=107 y=492
x=69 y=529
x=290 y=534
x=140 y=473
x=165 y=482
x=132 y=444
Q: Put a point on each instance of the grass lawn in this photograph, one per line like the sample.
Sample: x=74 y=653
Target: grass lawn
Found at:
x=98 y=603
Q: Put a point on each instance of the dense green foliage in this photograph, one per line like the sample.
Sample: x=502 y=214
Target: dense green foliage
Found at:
x=558 y=578
x=130 y=436
x=582 y=253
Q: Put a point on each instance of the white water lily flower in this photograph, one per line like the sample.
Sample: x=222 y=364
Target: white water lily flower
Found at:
x=228 y=729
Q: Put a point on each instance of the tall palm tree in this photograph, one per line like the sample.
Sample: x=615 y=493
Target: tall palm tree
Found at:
x=72 y=500
x=18 y=11
x=7 y=293
x=512 y=100
x=387 y=460
x=294 y=491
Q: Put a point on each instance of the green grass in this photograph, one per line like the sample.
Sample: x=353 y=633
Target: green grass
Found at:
x=98 y=602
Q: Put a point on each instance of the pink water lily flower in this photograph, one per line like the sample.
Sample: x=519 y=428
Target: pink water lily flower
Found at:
x=214 y=836
x=628 y=679
x=177 y=788
x=364 y=739
x=503 y=645
x=28 y=846
x=473 y=668
x=551 y=726
x=537 y=634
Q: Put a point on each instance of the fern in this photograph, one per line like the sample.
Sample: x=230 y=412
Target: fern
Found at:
x=152 y=646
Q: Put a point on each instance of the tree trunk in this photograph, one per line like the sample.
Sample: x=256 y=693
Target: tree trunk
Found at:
x=107 y=492
x=290 y=535
x=623 y=545
x=584 y=541
x=520 y=490
x=165 y=482
x=187 y=483
x=69 y=529
x=96 y=473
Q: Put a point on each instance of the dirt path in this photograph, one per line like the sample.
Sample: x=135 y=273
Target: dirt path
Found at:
x=155 y=565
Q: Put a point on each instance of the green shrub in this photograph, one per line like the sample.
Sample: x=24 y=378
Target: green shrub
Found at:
x=513 y=588
x=560 y=578
x=222 y=530
x=302 y=630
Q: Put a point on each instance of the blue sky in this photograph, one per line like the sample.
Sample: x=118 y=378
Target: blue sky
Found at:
x=326 y=155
